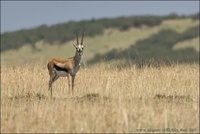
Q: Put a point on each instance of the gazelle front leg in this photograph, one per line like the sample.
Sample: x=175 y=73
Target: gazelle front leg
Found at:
x=68 y=78
x=73 y=78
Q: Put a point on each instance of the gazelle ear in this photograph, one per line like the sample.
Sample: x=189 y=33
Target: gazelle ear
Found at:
x=74 y=45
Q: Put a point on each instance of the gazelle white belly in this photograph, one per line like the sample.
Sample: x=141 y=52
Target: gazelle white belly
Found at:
x=61 y=73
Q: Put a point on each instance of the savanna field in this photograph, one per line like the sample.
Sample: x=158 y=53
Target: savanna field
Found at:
x=109 y=96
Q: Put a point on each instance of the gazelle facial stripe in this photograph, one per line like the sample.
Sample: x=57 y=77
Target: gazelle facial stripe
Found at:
x=79 y=48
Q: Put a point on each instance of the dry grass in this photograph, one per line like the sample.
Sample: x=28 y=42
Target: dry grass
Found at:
x=106 y=99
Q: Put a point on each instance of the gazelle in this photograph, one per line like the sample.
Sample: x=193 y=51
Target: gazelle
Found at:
x=61 y=67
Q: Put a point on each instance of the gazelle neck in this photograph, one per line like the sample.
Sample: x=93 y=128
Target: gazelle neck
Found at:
x=78 y=59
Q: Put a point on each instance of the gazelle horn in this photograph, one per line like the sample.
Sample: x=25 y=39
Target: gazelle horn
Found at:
x=77 y=37
x=82 y=38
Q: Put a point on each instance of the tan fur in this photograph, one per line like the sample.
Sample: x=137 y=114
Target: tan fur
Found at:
x=62 y=65
x=62 y=62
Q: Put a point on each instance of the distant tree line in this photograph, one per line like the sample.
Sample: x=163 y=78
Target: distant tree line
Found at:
x=157 y=48
x=66 y=31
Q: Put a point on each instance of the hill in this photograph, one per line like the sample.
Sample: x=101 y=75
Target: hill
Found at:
x=65 y=31
x=158 y=47
x=102 y=36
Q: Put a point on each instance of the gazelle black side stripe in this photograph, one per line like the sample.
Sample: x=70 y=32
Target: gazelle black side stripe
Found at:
x=61 y=69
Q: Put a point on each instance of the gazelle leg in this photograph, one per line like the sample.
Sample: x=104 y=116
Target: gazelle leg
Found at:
x=51 y=81
x=53 y=78
x=68 y=78
x=73 y=78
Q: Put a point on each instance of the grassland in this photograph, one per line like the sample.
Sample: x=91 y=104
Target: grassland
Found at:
x=107 y=98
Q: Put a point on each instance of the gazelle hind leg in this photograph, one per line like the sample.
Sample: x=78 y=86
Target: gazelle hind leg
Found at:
x=53 y=78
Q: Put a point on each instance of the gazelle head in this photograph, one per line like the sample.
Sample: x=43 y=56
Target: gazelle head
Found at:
x=79 y=46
